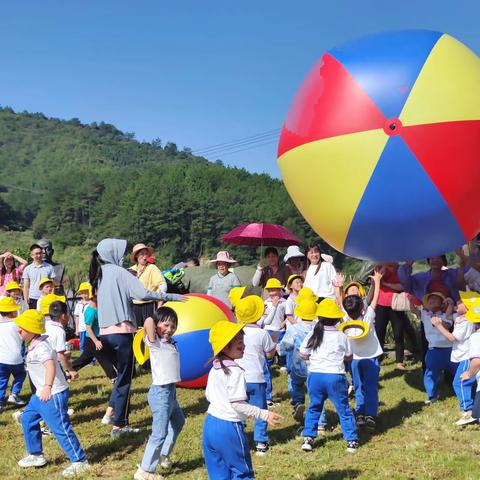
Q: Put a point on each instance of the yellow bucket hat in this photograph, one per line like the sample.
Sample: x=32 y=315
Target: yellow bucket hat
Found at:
x=8 y=304
x=47 y=300
x=328 y=308
x=85 y=287
x=273 y=283
x=354 y=329
x=291 y=278
x=473 y=312
x=306 y=294
x=249 y=309
x=222 y=333
x=45 y=280
x=306 y=309
x=141 y=355
x=12 y=286
x=235 y=294
x=428 y=295
x=360 y=287
x=31 y=321
x=468 y=298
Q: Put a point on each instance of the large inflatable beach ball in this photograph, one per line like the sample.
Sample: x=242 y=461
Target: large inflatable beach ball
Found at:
x=380 y=150
x=195 y=319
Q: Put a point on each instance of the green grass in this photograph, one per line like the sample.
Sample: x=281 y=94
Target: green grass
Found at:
x=412 y=441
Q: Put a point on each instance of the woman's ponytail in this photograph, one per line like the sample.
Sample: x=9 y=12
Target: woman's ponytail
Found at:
x=95 y=271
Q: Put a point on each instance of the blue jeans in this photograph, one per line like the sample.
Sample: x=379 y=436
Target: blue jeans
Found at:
x=225 y=449
x=121 y=347
x=365 y=373
x=465 y=390
x=257 y=396
x=436 y=360
x=269 y=362
x=167 y=423
x=54 y=413
x=19 y=375
x=335 y=387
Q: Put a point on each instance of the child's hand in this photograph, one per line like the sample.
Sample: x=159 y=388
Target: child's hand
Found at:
x=98 y=345
x=377 y=276
x=449 y=302
x=275 y=301
x=45 y=393
x=436 y=321
x=339 y=280
x=465 y=376
x=274 y=419
x=72 y=374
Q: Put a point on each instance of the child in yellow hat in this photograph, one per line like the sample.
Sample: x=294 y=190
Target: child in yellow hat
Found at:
x=84 y=292
x=258 y=346
x=11 y=359
x=13 y=290
x=274 y=321
x=328 y=349
x=50 y=402
x=224 y=443
x=46 y=287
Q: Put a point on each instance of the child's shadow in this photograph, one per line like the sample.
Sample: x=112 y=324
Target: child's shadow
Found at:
x=197 y=408
x=335 y=475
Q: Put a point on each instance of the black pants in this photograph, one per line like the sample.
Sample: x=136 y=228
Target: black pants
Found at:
x=32 y=303
x=104 y=356
x=142 y=311
x=401 y=325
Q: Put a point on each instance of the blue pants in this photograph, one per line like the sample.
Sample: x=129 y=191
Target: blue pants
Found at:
x=225 y=449
x=257 y=396
x=168 y=421
x=121 y=348
x=296 y=388
x=270 y=361
x=81 y=336
x=436 y=360
x=465 y=391
x=335 y=387
x=54 y=413
x=19 y=375
x=365 y=374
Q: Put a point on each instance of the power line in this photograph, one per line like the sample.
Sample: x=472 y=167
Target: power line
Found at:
x=250 y=148
x=251 y=144
x=236 y=143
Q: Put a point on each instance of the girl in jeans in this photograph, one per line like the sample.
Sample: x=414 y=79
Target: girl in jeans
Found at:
x=168 y=419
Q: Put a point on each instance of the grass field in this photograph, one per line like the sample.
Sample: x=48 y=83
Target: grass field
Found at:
x=412 y=441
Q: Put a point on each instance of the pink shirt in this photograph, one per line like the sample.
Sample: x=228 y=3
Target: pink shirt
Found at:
x=385 y=295
x=8 y=277
x=123 y=327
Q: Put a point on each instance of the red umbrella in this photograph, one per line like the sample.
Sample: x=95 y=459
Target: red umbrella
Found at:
x=259 y=234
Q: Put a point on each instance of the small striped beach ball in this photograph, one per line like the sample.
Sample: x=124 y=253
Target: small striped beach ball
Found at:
x=380 y=150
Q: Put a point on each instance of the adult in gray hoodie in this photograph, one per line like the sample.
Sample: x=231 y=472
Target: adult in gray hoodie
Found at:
x=116 y=288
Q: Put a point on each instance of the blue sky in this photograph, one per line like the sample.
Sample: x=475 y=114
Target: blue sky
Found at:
x=198 y=73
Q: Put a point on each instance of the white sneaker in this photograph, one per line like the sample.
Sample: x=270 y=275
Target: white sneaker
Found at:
x=33 y=461
x=126 y=430
x=76 y=468
x=466 y=419
x=16 y=400
x=106 y=420
x=17 y=416
x=307 y=445
x=165 y=462
x=70 y=411
x=284 y=369
x=141 y=474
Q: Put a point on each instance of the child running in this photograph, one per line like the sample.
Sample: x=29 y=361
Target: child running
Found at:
x=11 y=358
x=50 y=402
x=365 y=367
x=168 y=419
x=224 y=443
x=258 y=345
x=328 y=349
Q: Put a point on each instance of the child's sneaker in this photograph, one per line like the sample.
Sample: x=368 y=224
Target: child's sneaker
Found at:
x=298 y=411
x=360 y=421
x=46 y=432
x=370 y=421
x=352 y=446
x=321 y=429
x=33 y=461
x=17 y=416
x=70 y=411
x=261 y=448
x=271 y=404
x=16 y=400
x=126 y=430
x=141 y=474
x=307 y=445
x=76 y=468
x=466 y=419
x=107 y=420
x=284 y=369
x=431 y=401
x=351 y=391
x=165 y=462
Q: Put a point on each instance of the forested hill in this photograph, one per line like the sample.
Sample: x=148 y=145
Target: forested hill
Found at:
x=78 y=183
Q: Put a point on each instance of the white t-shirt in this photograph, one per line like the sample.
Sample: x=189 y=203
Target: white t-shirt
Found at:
x=369 y=346
x=79 y=311
x=56 y=335
x=273 y=316
x=10 y=342
x=321 y=283
x=222 y=389
x=434 y=338
x=39 y=351
x=39 y=303
x=165 y=361
x=474 y=351
x=257 y=343
x=290 y=305
x=329 y=356
x=462 y=331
